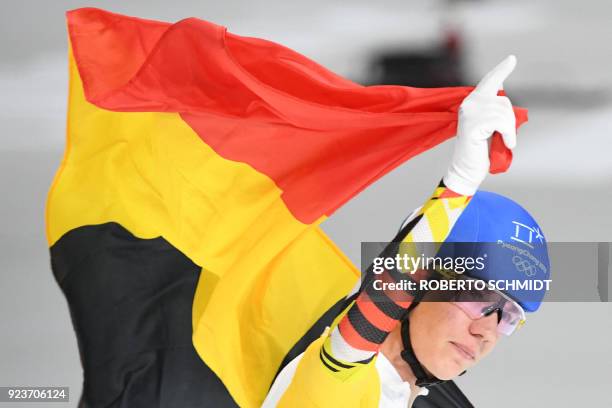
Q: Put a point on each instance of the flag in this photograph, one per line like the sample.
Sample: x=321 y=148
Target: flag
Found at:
x=192 y=149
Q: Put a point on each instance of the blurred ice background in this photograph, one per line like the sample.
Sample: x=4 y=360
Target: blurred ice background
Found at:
x=562 y=170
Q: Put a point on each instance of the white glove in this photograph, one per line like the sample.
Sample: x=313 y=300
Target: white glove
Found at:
x=481 y=113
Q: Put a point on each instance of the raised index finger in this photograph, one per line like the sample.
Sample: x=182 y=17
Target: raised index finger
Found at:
x=493 y=81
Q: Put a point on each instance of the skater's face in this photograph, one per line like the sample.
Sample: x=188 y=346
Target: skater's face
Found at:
x=447 y=341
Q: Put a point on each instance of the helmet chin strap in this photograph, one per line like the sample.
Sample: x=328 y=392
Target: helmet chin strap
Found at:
x=423 y=379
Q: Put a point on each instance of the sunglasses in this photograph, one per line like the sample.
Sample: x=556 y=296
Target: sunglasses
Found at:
x=482 y=303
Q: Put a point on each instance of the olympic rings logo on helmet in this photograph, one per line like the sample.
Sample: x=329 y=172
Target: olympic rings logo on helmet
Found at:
x=523 y=265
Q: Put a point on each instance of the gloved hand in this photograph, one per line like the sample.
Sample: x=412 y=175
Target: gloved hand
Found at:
x=481 y=113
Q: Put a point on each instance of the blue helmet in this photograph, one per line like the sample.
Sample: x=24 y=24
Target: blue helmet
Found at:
x=510 y=240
